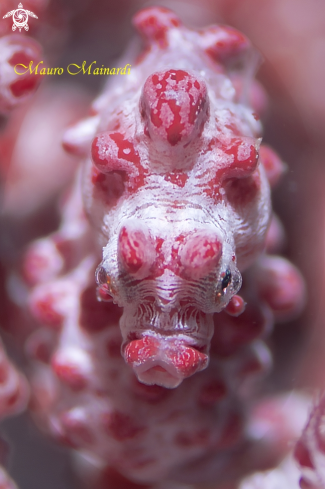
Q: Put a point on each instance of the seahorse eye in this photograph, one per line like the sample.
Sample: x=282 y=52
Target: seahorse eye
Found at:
x=101 y=276
x=226 y=279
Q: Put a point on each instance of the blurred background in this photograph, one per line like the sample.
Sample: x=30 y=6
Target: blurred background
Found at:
x=290 y=36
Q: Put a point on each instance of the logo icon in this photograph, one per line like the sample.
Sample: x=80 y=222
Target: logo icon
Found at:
x=20 y=18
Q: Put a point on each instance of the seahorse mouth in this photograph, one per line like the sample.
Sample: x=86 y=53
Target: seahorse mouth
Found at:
x=164 y=361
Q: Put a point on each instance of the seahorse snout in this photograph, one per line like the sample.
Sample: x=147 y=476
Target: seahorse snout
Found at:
x=163 y=361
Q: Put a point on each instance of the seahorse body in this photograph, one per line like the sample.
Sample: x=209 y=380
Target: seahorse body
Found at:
x=193 y=202
x=175 y=189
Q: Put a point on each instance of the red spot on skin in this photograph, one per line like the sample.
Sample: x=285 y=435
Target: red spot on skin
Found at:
x=120 y=426
x=177 y=178
x=272 y=163
x=111 y=186
x=154 y=23
x=187 y=360
x=302 y=455
x=159 y=265
x=112 y=152
x=236 y=306
x=175 y=263
x=241 y=159
x=45 y=308
x=159 y=243
x=200 y=254
x=23 y=86
x=176 y=127
x=212 y=392
x=245 y=157
x=212 y=190
x=175 y=107
x=136 y=251
x=96 y=316
x=139 y=350
x=132 y=249
x=126 y=149
x=224 y=43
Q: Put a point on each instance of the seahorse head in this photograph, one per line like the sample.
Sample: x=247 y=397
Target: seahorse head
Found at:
x=170 y=281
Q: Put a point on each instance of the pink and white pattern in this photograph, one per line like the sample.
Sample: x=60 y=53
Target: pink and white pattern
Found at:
x=172 y=210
